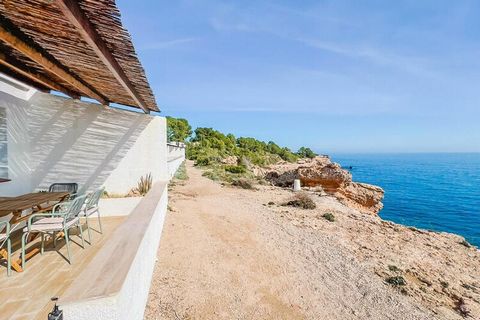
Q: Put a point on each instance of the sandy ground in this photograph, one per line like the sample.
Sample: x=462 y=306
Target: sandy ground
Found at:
x=226 y=254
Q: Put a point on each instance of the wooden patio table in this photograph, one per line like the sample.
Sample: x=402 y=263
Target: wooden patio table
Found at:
x=38 y=202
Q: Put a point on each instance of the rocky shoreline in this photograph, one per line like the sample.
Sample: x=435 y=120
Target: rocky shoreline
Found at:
x=240 y=253
x=322 y=175
x=431 y=281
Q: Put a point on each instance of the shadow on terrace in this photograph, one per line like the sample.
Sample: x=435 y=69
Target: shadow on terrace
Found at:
x=26 y=295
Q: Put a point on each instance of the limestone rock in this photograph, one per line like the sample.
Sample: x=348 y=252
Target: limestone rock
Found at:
x=330 y=176
x=322 y=172
x=365 y=197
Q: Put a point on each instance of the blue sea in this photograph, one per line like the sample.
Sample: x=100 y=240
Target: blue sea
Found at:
x=438 y=192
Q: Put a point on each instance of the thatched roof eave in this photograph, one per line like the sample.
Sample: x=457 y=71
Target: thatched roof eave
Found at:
x=78 y=47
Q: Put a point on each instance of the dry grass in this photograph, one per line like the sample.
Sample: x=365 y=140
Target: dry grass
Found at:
x=243 y=183
x=301 y=200
x=145 y=184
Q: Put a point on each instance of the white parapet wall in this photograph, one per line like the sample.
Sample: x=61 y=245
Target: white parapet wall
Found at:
x=118 y=207
x=116 y=283
x=57 y=139
x=176 y=156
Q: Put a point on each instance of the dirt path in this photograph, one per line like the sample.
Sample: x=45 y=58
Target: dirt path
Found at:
x=224 y=254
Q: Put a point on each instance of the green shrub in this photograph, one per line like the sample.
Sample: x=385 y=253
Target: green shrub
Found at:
x=301 y=200
x=212 y=175
x=209 y=147
x=235 y=169
x=206 y=156
x=329 y=216
x=181 y=173
x=396 y=281
x=304 y=152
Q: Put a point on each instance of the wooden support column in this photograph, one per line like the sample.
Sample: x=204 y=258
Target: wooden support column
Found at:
x=51 y=66
x=75 y=15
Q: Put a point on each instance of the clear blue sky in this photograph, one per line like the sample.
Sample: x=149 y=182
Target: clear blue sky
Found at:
x=338 y=76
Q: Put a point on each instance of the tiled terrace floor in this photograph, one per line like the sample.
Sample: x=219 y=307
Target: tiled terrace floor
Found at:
x=27 y=295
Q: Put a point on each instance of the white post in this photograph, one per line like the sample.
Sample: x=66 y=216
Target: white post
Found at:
x=296 y=185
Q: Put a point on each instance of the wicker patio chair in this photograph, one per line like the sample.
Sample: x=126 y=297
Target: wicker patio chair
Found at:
x=91 y=207
x=64 y=216
x=5 y=238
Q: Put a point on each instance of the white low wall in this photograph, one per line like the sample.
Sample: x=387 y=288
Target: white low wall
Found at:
x=175 y=157
x=115 y=285
x=115 y=207
x=174 y=165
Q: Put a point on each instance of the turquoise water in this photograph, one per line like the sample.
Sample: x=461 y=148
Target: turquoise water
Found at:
x=431 y=191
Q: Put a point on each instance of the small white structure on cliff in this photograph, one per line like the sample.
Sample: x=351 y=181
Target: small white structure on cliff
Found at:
x=79 y=48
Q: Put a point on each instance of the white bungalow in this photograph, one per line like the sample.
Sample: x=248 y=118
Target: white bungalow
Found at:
x=75 y=107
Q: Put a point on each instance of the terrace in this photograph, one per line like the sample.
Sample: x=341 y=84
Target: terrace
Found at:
x=55 y=58
x=27 y=295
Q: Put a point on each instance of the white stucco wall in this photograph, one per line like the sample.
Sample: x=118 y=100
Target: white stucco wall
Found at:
x=56 y=139
x=116 y=207
x=129 y=302
x=176 y=155
x=147 y=155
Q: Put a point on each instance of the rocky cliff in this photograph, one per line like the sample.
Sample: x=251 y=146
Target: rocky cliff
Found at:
x=321 y=172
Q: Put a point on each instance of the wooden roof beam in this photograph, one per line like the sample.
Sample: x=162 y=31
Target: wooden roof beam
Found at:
x=35 y=77
x=48 y=64
x=75 y=15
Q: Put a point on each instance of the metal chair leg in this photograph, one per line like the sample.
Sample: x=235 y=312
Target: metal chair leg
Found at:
x=42 y=245
x=67 y=242
x=99 y=221
x=55 y=240
x=24 y=242
x=9 y=257
x=88 y=229
x=81 y=233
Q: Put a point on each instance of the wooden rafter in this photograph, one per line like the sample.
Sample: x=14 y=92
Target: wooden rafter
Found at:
x=75 y=15
x=17 y=76
x=35 y=77
x=48 y=64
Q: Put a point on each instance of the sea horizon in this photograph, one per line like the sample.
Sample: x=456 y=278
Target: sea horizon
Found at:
x=332 y=154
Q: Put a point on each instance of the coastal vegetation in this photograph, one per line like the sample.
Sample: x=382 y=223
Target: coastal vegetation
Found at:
x=181 y=173
x=178 y=130
x=396 y=281
x=329 y=216
x=228 y=158
x=209 y=146
x=301 y=200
